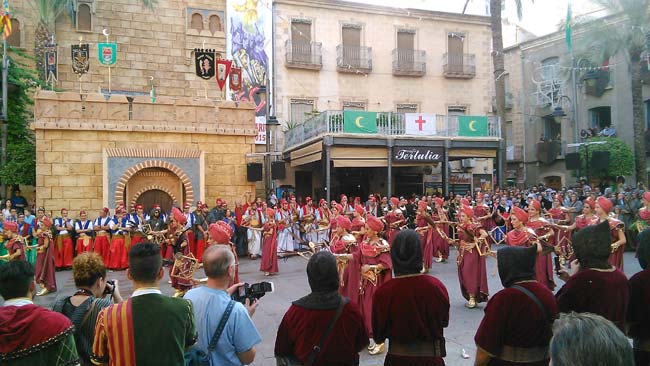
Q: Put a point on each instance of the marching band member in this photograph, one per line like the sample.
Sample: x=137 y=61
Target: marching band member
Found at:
x=190 y=221
x=335 y=212
x=520 y=235
x=440 y=245
x=283 y=219
x=348 y=266
x=472 y=249
x=587 y=218
x=64 y=250
x=45 y=275
x=178 y=241
x=374 y=257
x=118 y=250
x=483 y=213
x=617 y=231
x=394 y=220
x=15 y=243
x=220 y=234
x=102 y=227
x=201 y=229
x=269 y=262
x=560 y=215
x=323 y=221
x=644 y=213
x=425 y=230
x=307 y=218
x=137 y=221
x=253 y=220
x=84 y=229
x=544 y=232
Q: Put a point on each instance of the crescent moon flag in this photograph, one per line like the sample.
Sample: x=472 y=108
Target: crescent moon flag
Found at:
x=359 y=122
x=474 y=126
x=223 y=70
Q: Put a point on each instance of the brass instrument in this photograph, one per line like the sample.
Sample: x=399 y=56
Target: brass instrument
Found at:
x=184 y=266
x=155 y=237
x=371 y=275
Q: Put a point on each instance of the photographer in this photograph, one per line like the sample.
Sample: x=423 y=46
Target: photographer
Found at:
x=236 y=344
x=82 y=307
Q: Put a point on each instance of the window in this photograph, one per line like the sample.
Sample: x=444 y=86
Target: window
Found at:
x=509 y=137
x=550 y=69
x=406 y=108
x=351 y=41
x=455 y=51
x=600 y=117
x=647 y=114
x=84 y=18
x=552 y=130
x=456 y=110
x=197 y=22
x=214 y=24
x=301 y=110
x=354 y=106
x=301 y=40
x=14 y=39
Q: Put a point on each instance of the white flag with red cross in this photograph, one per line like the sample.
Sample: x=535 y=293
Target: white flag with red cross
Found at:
x=420 y=124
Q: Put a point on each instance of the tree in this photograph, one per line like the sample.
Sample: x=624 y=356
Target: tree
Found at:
x=20 y=167
x=621 y=158
x=624 y=34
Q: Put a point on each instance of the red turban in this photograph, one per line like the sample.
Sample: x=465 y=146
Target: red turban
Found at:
x=321 y=201
x=520 y=214
x=646 y=195
x=344 y=197
x=11 y=226
x=357 y=224
x=394 y=201
x=464 y=202
x=536 y=205
x=339 y=208
x=439 y=201
x=270 y=212
x=590 y=201
x=218 y=234
x=219 y=201
x=47 y=222
x=422 y=205
x=374 y=223
x=344 y=222
x=467 y=211
x=138 y=206
x=226 y=227
x=360 y=210
x=178 y=216
x=604 y=203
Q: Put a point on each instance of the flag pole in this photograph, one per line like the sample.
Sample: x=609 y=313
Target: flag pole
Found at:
x=80 y=74
x=109 y=66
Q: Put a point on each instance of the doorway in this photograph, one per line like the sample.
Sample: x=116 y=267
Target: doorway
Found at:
x=155 y=196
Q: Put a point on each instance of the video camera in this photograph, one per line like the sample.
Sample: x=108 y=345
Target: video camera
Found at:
x=252 y=292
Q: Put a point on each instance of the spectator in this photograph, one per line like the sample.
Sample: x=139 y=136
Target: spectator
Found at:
x=82 y=308
x=594 y=285
x=587 y=340
x=412 y=309
x=304 y=324
x=6 y=211
x=236 y=345
x=638 y=312
x=19 y=202
x=516 y=327
x=30 y=334
x=148 y=322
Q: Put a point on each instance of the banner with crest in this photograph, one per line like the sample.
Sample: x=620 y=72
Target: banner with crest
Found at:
x=235 y=79
x=223 y=70
x=80 y=58
x=51 y=63
x=107 y=53
x=204 y=63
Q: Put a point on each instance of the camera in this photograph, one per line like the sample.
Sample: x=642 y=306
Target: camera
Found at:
x=110 y=287
x=252 y=291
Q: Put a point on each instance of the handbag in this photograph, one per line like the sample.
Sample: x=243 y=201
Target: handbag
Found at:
x=197 y=357
x=293 y=361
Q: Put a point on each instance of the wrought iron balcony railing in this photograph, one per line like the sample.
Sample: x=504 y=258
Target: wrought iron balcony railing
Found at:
x=408 y=62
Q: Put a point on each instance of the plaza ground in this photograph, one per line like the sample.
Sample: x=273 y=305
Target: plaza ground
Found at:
x=291 y=284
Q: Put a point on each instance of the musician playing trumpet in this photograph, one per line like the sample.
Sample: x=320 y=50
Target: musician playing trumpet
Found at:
x=15 y=243
x=343 y=246
x=616 y=229
x=322 y=220
x=425 y=230
x=544 y=232
x=394 y=219
x=179 y=243
x=440 y=245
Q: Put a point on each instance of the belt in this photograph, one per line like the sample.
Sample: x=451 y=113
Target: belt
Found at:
x=641 y=344
x=64 y=235
x=520 y=354
x=434 y=348
x=117 y=236
x=102 y=233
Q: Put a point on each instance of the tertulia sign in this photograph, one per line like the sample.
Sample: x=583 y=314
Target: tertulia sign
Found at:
x=417 y=154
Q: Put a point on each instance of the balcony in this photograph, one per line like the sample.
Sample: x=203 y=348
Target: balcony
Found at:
x=462 y=66
x=388 y=124
x=515 y=153
x=548 y=151
x=302 y=55
x=353 y=59
x=409 y=62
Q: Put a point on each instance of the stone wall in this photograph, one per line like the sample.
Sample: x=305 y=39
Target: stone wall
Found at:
x=73 y=137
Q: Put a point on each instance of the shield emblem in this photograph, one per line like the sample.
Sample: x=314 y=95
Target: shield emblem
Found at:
x=223 y=70
x=80 y=58
x=235 y=79
x=204 y=61
x=107 y=53
x=51 y=64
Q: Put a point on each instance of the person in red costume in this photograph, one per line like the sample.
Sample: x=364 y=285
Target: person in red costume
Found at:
x=394 y=220
x=15 y=245
x=425 y=231
x=118 y=251
x=617 y=231
x=84 y=228
x=544 y=232
x=644 y=213
x=374 y=258
x=220 y=234
x=440 y=244
x=483 y=213
x=587 y=218
x=520 y=235
x=179 y=243
x=45 y=269
x=64 y=249
x=269 y=262
x=335 y=212
x=560 y=215
x=472 y=249
x=343 y=248
x=102 y=229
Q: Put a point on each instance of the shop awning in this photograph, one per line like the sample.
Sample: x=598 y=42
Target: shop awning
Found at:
x=359 y=157
x=472 y=153
x=307 y=154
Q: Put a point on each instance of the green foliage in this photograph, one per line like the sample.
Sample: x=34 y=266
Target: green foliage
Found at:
x=21 y=154
x=621 y=158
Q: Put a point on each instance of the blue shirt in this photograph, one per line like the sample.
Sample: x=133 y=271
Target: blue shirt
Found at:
x=239 y=335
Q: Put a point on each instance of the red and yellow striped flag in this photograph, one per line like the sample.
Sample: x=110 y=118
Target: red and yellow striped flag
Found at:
x=5 y=20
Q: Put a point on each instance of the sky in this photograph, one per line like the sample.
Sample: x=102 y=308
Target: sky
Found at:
x=539 y=17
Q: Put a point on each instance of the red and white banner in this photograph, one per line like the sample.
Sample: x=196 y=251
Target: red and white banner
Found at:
x=223 y=71
x=420 y=124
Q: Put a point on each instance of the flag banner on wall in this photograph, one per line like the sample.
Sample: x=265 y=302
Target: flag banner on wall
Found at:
x=235 y=79
x=107 y=53
x=472 y=126
x=359 y=122
x=80 y=58
x=51 y=64
x=223 y=70
x=204 y=62
x=420 y=124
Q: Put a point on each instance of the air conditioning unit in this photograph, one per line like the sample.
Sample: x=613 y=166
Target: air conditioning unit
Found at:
x=468 y=163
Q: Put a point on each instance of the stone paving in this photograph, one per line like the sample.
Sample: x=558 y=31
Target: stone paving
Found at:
x=291 y=284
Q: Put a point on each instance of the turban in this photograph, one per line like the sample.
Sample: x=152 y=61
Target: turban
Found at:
x=339 y=208
x=646 y=195
x=359 y=209
x=590 y=201
x=10 y=226
x=218 y=234
x=178 y=216
x=374 y=223
x=604 y=203
x=516 y=264
x=559 y=198
x=344 y=197
x=394 y=201
x=406 y=253
x=219 y=201
x=467 y=211
x=422 y=205
x=357 y=224
x=322 y=273
x=344 y=222
x=321 y=201
x=439 y=201
x=64 y=209
x=536 y=205
x=226 y=227
x=464 y=202
x=308 y=199
x=520 y=214
x=592 y=246
x=47 y=222
x=270 y=212
x=138 y=207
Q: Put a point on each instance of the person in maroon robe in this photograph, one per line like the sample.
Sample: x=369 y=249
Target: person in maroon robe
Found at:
x=594 y=285
x=45 y=269
x=394 y=220
x=616 y=231
x=15 y=244
x=344 y=245
x=425 y=231
x=516 y=330
x=544 y=232
x=483 y=213
x=375 y=266
x=307 y=319
x=412 y=309
x=638 y=311
x=180 y=247
x=440 y=244
x=472 y=249
x=269 y=262
x=520 y=235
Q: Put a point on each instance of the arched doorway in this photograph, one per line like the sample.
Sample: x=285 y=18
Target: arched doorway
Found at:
x=155 y=196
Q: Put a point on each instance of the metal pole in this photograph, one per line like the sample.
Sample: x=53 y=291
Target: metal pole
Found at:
x=5 y=71
x=445 y=169
x=389 y=186
x=328 y=186
x=587 y=162
x=575 y=98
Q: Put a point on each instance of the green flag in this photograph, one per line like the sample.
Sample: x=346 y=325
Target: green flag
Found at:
x=472 y=126
x=359 y=122
x=567 y=28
